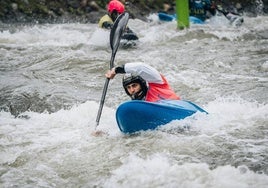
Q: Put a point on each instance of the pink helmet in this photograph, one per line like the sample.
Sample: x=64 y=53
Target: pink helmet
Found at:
x=117 y=6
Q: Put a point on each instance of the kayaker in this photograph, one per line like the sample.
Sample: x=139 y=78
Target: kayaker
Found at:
x=202 y=9
x=114 y=9
x=143 y=82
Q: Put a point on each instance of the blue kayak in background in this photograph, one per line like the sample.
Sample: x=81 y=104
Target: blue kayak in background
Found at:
x=172 y=17
x=133 y=116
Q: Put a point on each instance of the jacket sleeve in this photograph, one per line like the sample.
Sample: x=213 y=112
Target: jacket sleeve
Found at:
x=148 y=73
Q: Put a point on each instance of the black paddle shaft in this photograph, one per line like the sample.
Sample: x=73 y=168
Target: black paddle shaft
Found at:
x=115 y=36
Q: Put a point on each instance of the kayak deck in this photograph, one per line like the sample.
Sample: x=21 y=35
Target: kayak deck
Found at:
x=133 y=116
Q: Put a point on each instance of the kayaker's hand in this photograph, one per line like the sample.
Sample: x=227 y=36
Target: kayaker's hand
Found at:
x=110 y=73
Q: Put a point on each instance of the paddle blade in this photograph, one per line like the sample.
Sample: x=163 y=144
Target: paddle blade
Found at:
x=117 y=30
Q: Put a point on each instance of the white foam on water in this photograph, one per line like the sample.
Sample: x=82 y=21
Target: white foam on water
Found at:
x=100 y=37
x=224 y=114
x=158 y=170
x=52 y=35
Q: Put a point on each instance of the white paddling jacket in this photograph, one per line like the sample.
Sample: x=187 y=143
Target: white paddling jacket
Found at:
x=158 y=85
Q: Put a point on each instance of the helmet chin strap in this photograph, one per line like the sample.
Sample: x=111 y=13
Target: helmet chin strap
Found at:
x=138 y=96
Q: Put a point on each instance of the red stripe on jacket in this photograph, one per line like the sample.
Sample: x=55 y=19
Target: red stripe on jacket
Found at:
x=160 y=91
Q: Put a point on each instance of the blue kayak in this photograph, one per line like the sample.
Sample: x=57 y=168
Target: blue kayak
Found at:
x=171 y=17
x=133 y=116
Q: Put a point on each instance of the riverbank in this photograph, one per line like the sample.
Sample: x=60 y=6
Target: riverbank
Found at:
x=89 y=11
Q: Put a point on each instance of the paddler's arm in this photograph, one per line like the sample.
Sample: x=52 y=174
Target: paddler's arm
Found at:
x=107 y=25
x=118 y=69
x=105 y=22
x=147 y=72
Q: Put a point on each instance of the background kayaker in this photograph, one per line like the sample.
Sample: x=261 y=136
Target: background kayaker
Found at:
x=143 y=82
x=114 y=9
x=202 y=9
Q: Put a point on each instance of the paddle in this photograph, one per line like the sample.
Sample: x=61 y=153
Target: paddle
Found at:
x=115 y=36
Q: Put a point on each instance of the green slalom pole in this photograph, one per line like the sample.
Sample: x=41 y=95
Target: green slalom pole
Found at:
x=182 y=11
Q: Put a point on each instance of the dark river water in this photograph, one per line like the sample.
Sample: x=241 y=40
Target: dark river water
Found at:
x=51 y=82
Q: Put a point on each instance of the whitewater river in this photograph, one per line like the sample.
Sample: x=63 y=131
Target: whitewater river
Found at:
x=51 y=82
